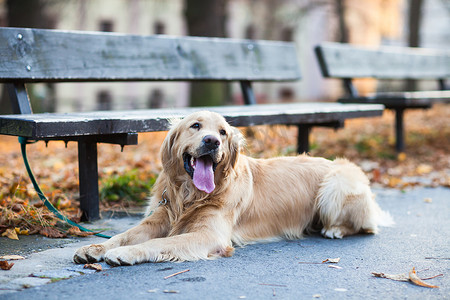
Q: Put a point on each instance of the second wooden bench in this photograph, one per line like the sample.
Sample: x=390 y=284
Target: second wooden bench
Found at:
x=347 y=62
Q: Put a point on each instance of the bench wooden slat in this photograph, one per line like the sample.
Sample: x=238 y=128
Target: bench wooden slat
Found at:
x=37 y=55
x=41 y=126
x=390 y=102
x=403 y=100
x=437 y=96
x=348 y=61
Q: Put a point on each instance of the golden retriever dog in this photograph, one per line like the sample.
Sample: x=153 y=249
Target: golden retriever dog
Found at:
x=210 y=197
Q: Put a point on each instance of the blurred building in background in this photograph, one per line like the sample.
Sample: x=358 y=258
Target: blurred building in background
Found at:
x=306 y=22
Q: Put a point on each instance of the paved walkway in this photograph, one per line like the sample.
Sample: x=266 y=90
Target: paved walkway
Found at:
x=420 y=239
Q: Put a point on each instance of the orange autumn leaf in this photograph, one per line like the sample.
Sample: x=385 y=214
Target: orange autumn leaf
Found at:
x=401 y=156
x=394 y=182
x=376 y=175
x=417 y=281
x=4 y=265
x=96 y=267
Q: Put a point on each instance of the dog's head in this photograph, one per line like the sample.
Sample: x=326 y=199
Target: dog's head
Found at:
x=204 y=147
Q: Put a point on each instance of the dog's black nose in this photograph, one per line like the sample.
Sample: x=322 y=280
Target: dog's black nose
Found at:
x=211 y=142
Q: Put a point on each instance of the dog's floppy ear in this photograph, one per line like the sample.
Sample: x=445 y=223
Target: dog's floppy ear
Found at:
x=235 y=146
x=168 y=153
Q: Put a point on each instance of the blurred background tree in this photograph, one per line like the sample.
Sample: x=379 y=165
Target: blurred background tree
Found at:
x=30 y=14
x=207 y=18
x=414 y=22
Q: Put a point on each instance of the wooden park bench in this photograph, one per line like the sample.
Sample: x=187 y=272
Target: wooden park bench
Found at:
x=346 y=62
x=33 y=55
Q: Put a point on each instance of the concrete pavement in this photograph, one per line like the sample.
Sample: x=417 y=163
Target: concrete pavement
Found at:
x=284 y=270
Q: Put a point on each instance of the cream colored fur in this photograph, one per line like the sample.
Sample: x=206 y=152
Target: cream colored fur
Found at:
x=254 y=200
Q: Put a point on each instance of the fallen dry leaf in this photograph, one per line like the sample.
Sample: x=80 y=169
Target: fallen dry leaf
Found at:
x=11 y=234
x=12 y=257
x=401 y=156
x=424 y=169
x=376 y=175
x=52 y=232
x=417 y=281
x=35 y=229
x=96 y=267
x=332 y=260
x=397 y=277
x=75 y=231
x=394 y=182
x=16 y=208
x=412 y=277
x=4 y=265
x=428 y=200
x=20 y=231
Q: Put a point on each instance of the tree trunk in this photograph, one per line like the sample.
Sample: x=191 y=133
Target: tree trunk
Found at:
x=207 y=18
x=343 y=29
x=30 y=14
x=27 y=13
x=414 y=23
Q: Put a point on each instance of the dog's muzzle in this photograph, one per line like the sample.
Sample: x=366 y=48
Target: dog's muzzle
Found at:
x=202 y=165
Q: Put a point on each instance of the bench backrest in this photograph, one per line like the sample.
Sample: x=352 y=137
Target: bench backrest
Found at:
x=37 y=55
x=347 y=61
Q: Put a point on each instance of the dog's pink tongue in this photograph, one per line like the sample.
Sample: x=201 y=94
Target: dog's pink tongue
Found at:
x=204 y=174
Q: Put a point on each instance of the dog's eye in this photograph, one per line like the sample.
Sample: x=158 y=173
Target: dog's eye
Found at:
x=195 y=125
x=222 y=132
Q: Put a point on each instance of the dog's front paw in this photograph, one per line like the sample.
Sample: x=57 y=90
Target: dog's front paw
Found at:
x=124 y=256
x=332 y=232
x=89 y=254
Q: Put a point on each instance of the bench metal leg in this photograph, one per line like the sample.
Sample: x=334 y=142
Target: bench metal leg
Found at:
x=87 y=164
x=399 y=130
x=18 y=96
x=247 y=92
x=303 y=138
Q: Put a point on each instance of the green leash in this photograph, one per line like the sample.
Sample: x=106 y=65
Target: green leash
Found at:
x=23 y=144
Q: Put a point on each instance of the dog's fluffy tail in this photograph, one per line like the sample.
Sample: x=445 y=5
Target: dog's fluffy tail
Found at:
x=346 y=204
x=384 y=218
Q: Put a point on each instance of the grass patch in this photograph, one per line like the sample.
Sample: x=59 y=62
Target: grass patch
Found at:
x=133 y=186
